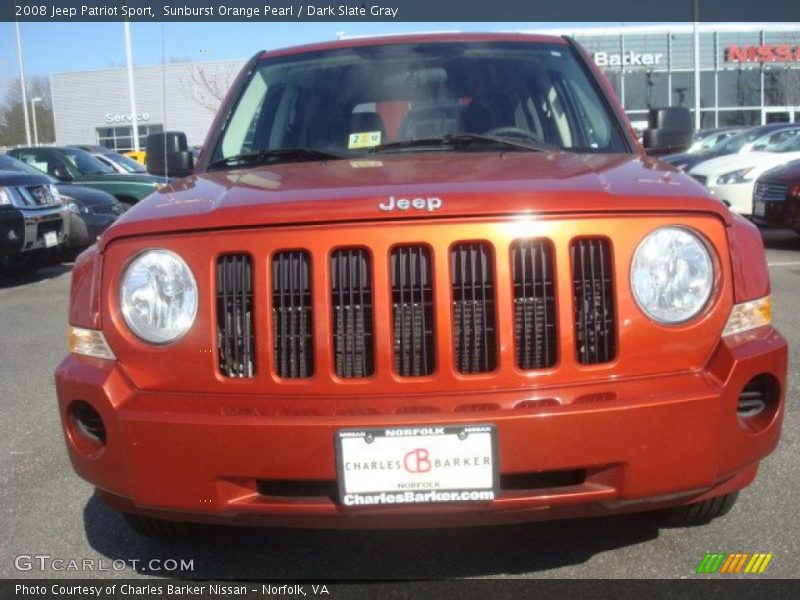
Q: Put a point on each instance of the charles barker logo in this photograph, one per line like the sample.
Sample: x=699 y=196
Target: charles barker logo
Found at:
x=417 y=461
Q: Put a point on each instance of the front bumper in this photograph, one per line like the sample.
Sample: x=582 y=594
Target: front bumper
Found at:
x=24 y=230
x=778 y=213
x=642 y=443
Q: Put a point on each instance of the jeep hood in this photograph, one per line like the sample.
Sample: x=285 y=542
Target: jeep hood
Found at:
x=468 y=184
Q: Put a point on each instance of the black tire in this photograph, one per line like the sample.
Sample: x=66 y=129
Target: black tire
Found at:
x=25 y=263
x=699 y=513
x=159 y=529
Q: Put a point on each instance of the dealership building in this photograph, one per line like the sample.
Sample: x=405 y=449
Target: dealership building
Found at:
x=749 y=75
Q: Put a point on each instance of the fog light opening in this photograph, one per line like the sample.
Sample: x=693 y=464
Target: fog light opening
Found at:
x=758 y=402
x=86 y=428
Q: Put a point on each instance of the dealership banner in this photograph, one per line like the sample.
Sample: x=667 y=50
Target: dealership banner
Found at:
x=473 y=589
x=477 y=589
x=394 y=10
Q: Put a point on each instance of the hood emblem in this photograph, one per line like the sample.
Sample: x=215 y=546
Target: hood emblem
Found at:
x=429 y=204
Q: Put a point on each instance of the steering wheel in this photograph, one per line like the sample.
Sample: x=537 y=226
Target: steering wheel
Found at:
x=514 y=132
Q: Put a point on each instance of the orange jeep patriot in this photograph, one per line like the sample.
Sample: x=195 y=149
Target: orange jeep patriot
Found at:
x=422 y=281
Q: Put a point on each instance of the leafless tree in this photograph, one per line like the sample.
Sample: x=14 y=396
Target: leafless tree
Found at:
x=12 y=121
x=782 y=86
x=206 y=85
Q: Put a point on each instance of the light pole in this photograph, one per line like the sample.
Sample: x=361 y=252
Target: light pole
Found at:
x=128 y=56
x=24 y=92
x=696 y=36
x=34 y=100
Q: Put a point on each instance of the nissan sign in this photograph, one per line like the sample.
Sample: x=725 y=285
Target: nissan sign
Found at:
x=763 y=53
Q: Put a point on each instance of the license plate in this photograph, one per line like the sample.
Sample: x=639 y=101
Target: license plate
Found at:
x=417 y=465
x=50 y=239
x=760 y=209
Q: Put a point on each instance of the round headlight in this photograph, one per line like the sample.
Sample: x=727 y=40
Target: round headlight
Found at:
x=158 y=296
x=672 y=275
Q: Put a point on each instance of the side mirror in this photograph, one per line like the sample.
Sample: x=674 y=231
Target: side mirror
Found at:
x=669 y=130
x=61 y=174
x=168 y=154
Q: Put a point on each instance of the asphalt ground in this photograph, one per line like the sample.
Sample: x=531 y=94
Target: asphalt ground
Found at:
x=45 y=509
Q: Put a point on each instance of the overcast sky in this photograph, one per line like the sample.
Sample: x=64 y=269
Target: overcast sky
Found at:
x=57 y=47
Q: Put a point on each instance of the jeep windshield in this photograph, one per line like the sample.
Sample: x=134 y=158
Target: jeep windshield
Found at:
x=429 y=97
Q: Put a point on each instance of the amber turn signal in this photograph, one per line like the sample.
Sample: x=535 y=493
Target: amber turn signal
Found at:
x=89 y=342
x=749 y=315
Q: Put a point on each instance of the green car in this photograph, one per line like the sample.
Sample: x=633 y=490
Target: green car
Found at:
x=78 y=167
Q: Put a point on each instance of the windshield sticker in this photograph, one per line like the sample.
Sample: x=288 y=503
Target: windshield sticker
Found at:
x=364 y=139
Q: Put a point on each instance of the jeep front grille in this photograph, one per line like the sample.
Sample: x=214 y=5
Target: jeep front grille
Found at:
x=534 y=304
x=399 y=294
x=595 y=329
x=292 y=316
x=474 y=335
x=351 y=303
x=235 y=328
x=412 y=311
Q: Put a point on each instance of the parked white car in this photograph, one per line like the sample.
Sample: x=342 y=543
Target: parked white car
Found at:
x=731 y=178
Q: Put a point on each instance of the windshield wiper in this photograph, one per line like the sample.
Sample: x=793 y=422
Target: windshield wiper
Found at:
x=279 y=155
x=463 y=141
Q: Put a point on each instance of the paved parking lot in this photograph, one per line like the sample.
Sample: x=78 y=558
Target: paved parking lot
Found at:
x=47 y=510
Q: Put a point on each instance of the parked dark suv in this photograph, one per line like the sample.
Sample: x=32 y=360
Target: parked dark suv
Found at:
x=91 y=211
x=33 y=221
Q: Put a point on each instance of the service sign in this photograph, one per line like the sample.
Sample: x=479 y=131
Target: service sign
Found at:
x=417 y=465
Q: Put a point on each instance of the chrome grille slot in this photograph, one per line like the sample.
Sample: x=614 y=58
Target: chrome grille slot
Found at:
x=292 y=315
x=474 y=331
x=770 y=192
x=351 y=304
x=595 y=334
x=235 y=336
x=412 y=311
x=534 y=304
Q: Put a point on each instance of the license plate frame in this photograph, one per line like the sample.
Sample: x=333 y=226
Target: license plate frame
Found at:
x=400 y=456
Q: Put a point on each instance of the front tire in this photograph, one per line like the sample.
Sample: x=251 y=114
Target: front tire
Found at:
x=699 y=513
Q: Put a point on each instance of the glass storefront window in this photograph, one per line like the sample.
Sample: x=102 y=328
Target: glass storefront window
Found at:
x=708 y=119
x=739 y=117
x=120 y=139
x=683 y=89
x=781 y=86
x=645 y=90
x=740 y=87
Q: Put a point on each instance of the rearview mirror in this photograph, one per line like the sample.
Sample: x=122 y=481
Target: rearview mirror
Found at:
x=168 y=154
x=669 y=130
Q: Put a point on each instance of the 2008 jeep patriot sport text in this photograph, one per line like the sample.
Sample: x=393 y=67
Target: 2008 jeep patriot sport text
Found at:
x=422 y=281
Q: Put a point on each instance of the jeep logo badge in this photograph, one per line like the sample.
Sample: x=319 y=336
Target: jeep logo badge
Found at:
x=430 y=204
